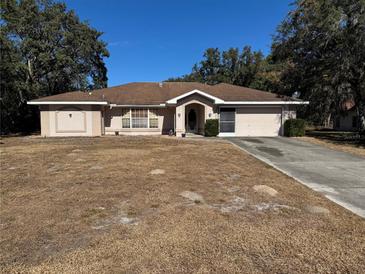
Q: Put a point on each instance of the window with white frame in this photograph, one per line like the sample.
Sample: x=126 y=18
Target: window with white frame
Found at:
x=139 y=118
x=126 y=118
x=153 y=118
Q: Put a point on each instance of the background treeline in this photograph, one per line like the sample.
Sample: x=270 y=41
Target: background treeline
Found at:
x=317 y=52
x=45 y=50
x=246 y=68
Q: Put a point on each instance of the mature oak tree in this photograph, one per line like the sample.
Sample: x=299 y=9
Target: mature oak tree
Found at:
x=45 y=50
x=322 y=43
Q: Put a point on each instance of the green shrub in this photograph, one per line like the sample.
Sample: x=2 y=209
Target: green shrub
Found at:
x=294 y=127
x=211 y=127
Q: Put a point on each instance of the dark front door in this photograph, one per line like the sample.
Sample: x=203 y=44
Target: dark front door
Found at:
x=192 y=121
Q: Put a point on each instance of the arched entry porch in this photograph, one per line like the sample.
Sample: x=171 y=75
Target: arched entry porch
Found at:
x=194 y=118
x=191 y=114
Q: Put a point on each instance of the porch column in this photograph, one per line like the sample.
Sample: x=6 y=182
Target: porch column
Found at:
x=180 y=120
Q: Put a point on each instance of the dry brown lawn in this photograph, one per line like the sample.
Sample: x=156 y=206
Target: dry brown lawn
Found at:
x=91 y=205
x=340 y=146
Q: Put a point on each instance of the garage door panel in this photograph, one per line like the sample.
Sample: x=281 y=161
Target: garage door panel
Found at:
x=71 y=121
x=257 y=121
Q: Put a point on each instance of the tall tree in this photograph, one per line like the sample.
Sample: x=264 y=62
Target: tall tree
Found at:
x=45 y=50
x=323 y=44
x=248 y=68
x=249 y=65
x=210 y=67
x=230 y=63
x=268 y=76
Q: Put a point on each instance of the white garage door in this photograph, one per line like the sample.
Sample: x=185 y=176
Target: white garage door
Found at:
x=258 y=121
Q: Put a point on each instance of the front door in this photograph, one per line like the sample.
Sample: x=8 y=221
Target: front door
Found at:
x=192 y=123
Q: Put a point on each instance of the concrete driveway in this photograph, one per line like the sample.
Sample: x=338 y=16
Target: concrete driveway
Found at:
x=339 y=176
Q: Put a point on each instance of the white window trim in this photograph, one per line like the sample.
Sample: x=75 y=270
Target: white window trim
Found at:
x=130 y=118
x=148 y=120
x=127 y=117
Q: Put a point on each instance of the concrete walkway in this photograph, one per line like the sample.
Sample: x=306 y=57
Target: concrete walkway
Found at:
x=339 y=176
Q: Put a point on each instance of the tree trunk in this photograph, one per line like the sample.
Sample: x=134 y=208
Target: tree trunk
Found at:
x=361 y=118
x=30 y=73
x=360 y=109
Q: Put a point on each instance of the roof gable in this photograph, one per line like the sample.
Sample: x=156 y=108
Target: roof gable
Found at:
x=216 y=100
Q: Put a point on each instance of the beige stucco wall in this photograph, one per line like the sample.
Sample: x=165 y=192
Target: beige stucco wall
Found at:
x=167 y=119
x=113 y=122
x=208 y=111
x=44 y=115
x=96 y=122
x=63 y=120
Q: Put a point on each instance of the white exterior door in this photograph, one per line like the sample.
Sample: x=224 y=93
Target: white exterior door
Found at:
x=258 y=121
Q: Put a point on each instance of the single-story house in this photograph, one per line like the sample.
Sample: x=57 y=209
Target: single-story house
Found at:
x=162 y=108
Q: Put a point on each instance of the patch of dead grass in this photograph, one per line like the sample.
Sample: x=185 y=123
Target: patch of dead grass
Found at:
x=344 y=147
x=57 y=215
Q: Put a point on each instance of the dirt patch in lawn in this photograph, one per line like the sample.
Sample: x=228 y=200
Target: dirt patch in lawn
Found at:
x=336 y=145
x=109 y=213
x=265 y=190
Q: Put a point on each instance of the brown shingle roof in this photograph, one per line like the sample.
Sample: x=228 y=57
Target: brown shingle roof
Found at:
x=149 y=93
x=73 y=96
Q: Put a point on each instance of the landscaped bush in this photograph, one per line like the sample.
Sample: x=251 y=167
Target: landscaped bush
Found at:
x=211 y=127
x=294 y=127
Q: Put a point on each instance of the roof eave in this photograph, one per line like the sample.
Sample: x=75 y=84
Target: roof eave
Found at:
x=266 y=103
x=67 y=103
x=138 y=105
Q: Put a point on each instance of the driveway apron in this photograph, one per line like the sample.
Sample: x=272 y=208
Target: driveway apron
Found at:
x=339 y=176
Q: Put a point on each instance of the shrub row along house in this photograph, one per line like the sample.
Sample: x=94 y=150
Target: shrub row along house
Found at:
x=161 y=108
